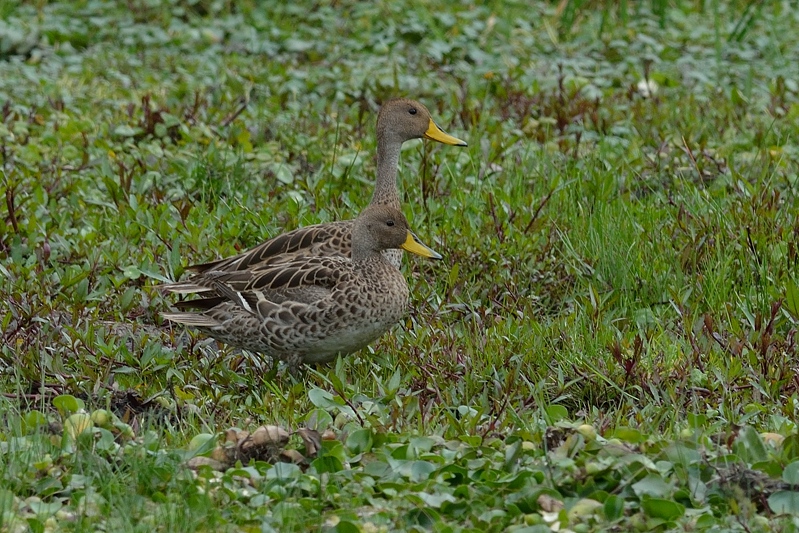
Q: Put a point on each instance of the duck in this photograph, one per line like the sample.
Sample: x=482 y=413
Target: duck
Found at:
x=399 y=120
x=311 y=309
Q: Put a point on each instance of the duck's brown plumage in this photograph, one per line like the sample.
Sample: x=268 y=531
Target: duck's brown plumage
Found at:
x=311 y=309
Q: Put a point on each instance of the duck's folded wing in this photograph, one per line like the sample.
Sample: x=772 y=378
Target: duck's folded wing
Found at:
x=333 y=239
x=329 y=239
x=302 y=281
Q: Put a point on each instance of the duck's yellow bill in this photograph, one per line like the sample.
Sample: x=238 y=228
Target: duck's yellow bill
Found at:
x=415 y=246
x=437 y=134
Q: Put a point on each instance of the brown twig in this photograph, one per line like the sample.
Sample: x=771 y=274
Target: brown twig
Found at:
x=245 y=101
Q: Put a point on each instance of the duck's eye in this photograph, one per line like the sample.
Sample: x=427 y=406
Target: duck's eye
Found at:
x=412 y=111
x=389 y=223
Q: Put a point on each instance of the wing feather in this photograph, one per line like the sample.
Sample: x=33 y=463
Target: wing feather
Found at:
x=320 y=239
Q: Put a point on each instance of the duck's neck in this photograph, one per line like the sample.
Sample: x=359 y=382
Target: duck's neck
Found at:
x=388 y=153
x=361 y=257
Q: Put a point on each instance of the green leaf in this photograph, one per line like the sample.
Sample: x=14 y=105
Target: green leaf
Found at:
x=282 y=172
x=284 y=471
x=613 y=507
x=45 y=508
x=652 y=485
x=421 y=445
x=682 y=455
x=415 y=470
x=360 y=441
x=790 y=447
x=662 y=508
x=512 y=453
x=626 y=434
x=318 y=419
x=33 y=420
x=784 y=502
x=153 y=275
x=6 y=500
x=327 y=464
x=35 y=525
x=556 y=413
x=202 y=443
x=696 y=420
x=749 y=446
x=791 y=301
x=435 y=500
x=394 y=382
x=791 y=473
x=322 y=399
x=421 y=470
x=333 y=448
x=126 y=131
x=345 y=526
x=583 y=509
x=66 y=404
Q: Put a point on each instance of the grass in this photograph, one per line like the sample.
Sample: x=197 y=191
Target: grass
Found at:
x=609 y=344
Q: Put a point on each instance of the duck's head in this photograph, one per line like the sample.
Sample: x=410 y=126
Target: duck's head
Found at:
x=381 y=227
x=402 y=119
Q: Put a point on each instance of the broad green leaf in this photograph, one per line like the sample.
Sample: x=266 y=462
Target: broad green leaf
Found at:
x=283 y=173
x=415 y=470
x=333 y=448
x=202 y=443
x=696 y=420
x=662 y=508
x=791 y=301
x=327 y=464
x=421 y=470
x=421 y=445
x=706 y=521
x=126 y=131
x=512 y=453
x=556 y=413
x=583 y=509
x=394 y=382
x=435 y=500
x=683 y=455
x=652 y=485
x=284 y=471
x=784 y=502
x=360 y=441
x=66 y=403
x=345 y=526
x=790 y=447
x=33 y=420
x=791 y=473
x=749 y=446
x=322 y=399
x=627 y=434
x=6 y=499
x=45 y=508
x=613 y=507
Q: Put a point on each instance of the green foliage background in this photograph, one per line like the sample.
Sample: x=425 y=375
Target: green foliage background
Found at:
x=620 y=236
